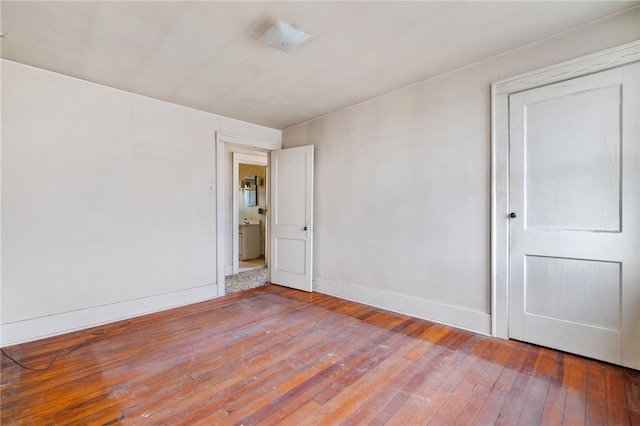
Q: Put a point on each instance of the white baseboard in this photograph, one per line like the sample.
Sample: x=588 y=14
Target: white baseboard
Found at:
x=477 y=322
x=52 y=325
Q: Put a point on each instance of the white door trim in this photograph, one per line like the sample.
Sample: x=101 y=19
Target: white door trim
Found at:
x=500 y=91
x=224 y=141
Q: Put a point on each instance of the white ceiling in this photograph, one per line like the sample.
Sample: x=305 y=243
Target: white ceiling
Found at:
x=206 y=54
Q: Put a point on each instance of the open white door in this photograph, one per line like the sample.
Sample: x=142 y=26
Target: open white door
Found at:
x=291 y=217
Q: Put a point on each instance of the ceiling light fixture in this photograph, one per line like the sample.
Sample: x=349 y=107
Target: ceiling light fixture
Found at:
x=284 y=36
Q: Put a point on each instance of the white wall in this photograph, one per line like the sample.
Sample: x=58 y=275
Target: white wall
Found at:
x=105 y=202
x=403 y=188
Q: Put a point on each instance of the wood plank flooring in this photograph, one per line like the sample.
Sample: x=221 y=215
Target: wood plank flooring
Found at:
x=279 y=356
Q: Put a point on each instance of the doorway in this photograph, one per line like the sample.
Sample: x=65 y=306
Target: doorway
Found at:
x=250 y=190
x=249 y=187
x=289 y=214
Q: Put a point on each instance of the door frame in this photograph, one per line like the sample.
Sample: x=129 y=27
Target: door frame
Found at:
x=257 y=160
x=228 y=143
x=500 y=91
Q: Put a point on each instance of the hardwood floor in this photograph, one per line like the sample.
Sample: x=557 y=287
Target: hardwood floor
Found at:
x=278 y=356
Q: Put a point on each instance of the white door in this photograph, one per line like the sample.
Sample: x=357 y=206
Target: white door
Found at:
x=574 y=281
x=292 y=217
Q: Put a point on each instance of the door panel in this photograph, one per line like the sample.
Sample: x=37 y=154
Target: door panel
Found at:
x=291 y=257
x=292 y=171
x=573 y=159
x=574 y=241
x=292 y=217
x=592 y=286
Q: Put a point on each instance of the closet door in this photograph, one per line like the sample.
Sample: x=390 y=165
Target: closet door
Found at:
x=574 y=232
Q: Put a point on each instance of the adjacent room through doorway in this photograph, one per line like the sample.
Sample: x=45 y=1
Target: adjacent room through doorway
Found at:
x=249 y=212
